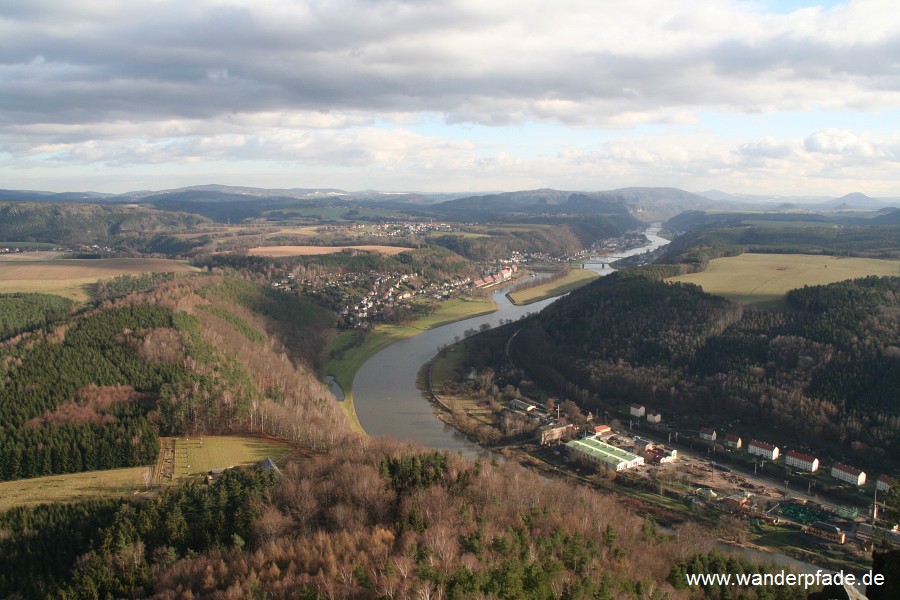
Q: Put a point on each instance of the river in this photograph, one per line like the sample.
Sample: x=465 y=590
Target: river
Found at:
x=388 y=402
x=385 y=394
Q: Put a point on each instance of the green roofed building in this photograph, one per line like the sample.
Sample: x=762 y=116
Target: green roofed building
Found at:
x=604 y=454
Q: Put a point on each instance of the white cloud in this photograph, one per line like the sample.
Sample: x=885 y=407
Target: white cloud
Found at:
x=356 y=84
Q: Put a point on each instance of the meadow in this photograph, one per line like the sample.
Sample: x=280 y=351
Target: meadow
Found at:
x=201 y=454
x=763 y=279
x=73 y=278
x=282 y=251
x=192 y=458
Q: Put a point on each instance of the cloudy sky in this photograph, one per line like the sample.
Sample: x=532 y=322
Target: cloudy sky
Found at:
x=776 y=97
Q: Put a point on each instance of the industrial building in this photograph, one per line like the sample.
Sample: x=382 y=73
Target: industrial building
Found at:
x=763 y=449
x=521 y=405
x=661 y=455
x=602 y=431
x=826 y=531
x=601 y=453
x=548 y=434
x=848 y=474
x=804 y=462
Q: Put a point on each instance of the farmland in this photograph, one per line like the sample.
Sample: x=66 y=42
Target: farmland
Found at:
x=215 y=452
x=73 y=278
x=282 y=251
x=763 y=279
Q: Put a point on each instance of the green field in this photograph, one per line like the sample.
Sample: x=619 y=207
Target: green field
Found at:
x=75 y=486
x=198 y=455
x=573 y=280
x=348 y=358
x=763 y=279
x=75 y=278
x=216 y=452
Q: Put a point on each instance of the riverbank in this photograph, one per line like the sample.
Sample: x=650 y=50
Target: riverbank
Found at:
x=574 y=279
x=346 y=354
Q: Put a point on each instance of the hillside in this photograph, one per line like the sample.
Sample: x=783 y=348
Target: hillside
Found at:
x=194 y=356
x=70 y=223
x=829 y=360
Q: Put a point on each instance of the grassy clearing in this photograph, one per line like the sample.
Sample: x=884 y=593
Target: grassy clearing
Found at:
x=216 y=452
x=198 y=455
x=348 y=357
x=573 y=280
x=73 y=278
x=281 y=251
x=763 y=279
x=72 y=487
x=445 y=365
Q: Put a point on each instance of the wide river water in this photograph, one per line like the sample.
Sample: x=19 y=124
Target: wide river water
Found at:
x=385 y=395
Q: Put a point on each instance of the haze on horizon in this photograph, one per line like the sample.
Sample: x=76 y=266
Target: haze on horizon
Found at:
x=764 y=97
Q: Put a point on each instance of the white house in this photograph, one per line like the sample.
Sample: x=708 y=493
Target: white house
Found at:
x=654 y=417
x=733 y=441
x=848 y=474
x=637 y=410
x=884 y=483
x=707 y=433
x=801 y=461
x=763 y=449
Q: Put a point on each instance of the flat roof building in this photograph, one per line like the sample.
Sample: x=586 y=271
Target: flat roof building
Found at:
x=553 y=433
x=604 y=454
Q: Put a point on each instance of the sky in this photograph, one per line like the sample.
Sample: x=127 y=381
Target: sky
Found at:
x=753 y=97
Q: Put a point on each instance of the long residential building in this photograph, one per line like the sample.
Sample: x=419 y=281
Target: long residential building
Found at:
x=801 y=461
x=763 y=449
x=604 y=454
x=848 y=474
x=884 y=483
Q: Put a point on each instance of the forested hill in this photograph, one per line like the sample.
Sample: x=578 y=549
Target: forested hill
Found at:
x=71 y=223
x=831 y=359
x=96 y=390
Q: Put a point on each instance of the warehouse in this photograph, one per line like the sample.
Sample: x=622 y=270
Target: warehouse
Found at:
x=601 y=453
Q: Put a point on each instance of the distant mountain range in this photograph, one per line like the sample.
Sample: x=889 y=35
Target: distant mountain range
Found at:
x=854 y=200
x=234 y=203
